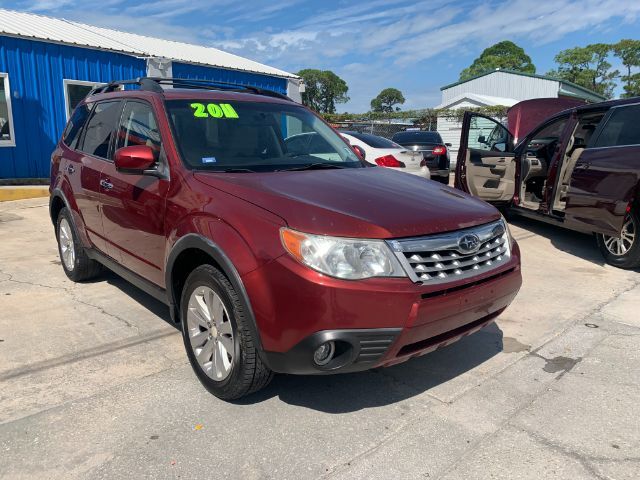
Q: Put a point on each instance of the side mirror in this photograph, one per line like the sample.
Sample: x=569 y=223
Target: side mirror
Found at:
x=482 y=139
x=135 y=160
x=448 y=144
x=359 y=151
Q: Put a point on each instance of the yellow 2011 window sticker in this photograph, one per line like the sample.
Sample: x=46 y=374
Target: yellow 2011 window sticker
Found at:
x=214 y=110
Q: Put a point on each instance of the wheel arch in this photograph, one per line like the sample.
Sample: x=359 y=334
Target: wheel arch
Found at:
x=59 y=200
x=56 y=203
x=191 y=251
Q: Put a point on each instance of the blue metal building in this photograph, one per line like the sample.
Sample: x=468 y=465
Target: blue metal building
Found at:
x=47 y=65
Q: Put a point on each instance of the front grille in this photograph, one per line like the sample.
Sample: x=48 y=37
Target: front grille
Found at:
x=443 y=258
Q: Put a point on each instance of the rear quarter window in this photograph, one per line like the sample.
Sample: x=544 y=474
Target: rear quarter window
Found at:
x=74 y=127
x=622 y=128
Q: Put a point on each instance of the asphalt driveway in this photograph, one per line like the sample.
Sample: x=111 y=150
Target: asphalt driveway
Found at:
x=94 y=383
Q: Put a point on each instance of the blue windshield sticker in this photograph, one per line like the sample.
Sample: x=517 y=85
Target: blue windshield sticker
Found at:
x=209 y=160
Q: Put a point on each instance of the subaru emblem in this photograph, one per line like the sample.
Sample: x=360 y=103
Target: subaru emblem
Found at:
x=469 y=243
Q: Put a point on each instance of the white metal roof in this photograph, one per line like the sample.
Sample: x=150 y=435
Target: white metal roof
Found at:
x=486 y=100
x=60 y=30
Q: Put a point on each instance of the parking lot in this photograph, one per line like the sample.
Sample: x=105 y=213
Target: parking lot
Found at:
x=94 y=383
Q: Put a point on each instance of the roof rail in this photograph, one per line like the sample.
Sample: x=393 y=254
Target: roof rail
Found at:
x=154 y=84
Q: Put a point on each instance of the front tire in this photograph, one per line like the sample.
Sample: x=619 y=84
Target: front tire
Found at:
x=623 y=252
x=76 y=263
x=219 y=343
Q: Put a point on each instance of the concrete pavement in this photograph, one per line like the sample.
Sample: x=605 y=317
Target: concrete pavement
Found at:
x=94 y=383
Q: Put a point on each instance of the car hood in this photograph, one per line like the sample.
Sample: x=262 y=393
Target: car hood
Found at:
x=361 y=203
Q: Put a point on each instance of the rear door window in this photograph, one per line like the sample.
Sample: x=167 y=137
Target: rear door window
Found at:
x=622 y=128
x=100 y=128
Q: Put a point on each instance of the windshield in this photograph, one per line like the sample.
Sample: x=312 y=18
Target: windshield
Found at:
x=247 y=136
x=417 y=137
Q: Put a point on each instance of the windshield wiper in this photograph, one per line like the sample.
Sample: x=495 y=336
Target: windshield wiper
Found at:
x=311 y=166
x=237 y=170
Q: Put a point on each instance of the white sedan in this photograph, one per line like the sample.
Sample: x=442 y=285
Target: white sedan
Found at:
x=385 y=153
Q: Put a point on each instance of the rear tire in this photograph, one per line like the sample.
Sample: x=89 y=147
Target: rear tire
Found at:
x=443 y=180
x=73 y=257
x=623 y=252
x=216 y=332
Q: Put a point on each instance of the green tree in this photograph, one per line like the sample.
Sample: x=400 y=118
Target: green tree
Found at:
x=504 y=54
x=386 y=100
x=628 y=51
x=323 y=89
x=587 y=67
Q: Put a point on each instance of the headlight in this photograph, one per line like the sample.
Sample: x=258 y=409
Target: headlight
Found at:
x=348 y=258
x=507 y=232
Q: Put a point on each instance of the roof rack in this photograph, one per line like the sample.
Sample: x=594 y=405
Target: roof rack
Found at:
x=154 y=84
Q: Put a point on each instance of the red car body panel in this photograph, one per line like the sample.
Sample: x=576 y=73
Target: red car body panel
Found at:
x=599 y=194
x=140 y=220
x=287 y=314
x=524 y=116
x=367 y=202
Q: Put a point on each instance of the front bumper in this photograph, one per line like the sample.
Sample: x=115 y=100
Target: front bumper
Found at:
x=375 y=322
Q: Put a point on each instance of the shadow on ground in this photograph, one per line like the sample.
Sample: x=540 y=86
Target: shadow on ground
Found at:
x=579 y=245
x=375 y=388
x=147 y=301
x=357 y=391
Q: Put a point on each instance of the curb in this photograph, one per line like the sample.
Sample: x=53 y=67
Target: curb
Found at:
x=22 y=192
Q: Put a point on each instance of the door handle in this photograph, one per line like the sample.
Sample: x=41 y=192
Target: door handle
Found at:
x=106 y=184
x=70 y=169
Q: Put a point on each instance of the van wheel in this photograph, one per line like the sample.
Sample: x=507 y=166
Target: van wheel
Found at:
x=623 y=251
x=75 y=262
x=219 y=344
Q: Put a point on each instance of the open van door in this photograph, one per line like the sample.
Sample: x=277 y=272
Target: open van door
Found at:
x=486 y=166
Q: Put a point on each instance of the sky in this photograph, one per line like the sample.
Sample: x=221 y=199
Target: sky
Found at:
x=413 y=45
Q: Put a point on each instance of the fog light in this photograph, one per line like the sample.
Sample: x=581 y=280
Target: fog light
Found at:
x=324 y=353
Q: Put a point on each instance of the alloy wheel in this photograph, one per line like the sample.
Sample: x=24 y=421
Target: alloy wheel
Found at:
x=210 y=333
x=67 y=247
x=620 y=246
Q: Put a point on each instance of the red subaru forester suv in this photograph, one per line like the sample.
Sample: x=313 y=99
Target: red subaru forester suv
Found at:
x=277 y=252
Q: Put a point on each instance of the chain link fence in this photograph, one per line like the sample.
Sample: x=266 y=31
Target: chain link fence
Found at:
x=387 y=124
x=383 y=128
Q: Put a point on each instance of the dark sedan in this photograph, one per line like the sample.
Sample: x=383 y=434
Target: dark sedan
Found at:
x=434 y=152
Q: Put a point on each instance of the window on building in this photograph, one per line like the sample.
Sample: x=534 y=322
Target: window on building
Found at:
x=7 y=138
x=75 y=91
x=99 y=130
x=139 y=127
x=622 y=128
